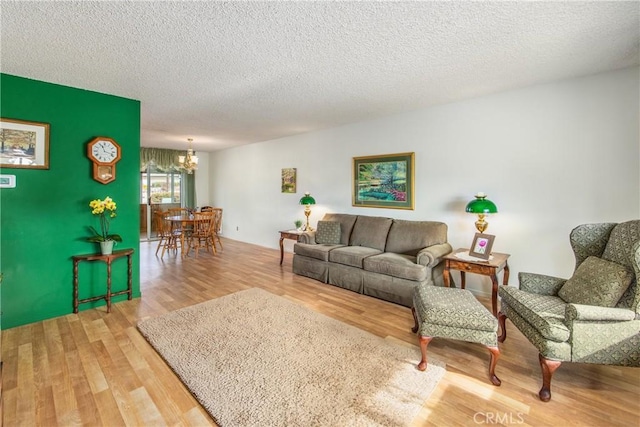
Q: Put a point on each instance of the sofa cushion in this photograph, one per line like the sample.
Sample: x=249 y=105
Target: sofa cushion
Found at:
x=409 y=237
x=346 y=224
x=543 y=312
x=352 y=255
x=596 y=282
x=398 y=265
x=328 y=233
x=371 y=231
x=320 y=252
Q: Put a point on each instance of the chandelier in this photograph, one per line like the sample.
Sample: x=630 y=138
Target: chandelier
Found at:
x=190 y=161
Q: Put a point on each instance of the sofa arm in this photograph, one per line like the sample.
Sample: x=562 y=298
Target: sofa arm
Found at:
x=597 y=314
x=308 y=237
x=432 y=255
x=540 y=284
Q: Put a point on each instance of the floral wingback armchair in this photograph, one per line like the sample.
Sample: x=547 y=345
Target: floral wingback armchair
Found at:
x=593 y=317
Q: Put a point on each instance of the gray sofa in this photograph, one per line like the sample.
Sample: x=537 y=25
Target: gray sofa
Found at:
x=381 y=257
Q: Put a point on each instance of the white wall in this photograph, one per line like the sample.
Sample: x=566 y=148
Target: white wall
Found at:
x=550 y=156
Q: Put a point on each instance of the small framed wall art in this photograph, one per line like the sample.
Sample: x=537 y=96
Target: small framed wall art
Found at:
x=289 y=180
x=481 y=245
x=24 y=144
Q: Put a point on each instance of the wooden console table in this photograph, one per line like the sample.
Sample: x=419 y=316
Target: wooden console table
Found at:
x=108 y=259
x=490 y=267
x=287 y=234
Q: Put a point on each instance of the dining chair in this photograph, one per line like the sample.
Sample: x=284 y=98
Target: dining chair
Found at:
x=202 y=234
x=217 y=227
x=206 y=209
x=169 y=238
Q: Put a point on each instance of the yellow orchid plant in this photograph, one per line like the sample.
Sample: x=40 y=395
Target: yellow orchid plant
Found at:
x=106 y=210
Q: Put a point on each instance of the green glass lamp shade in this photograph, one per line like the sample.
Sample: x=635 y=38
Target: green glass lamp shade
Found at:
x=481 y=205
x=307 y=200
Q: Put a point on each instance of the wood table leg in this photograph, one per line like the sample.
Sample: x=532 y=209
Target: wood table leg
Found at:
x=505 y=277
x=463 y=280
x=445 y=274
x=108 y=296
x=129 y=277
x=281 y=249
x=75 y=286
x=494 y=295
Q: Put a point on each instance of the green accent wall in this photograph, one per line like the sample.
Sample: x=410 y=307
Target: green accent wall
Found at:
x=44 y=219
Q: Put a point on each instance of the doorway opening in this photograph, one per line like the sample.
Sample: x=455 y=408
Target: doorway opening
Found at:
x=159 y=191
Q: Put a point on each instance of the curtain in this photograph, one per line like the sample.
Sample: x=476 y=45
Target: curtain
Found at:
x=164 y=159
x=188 y=190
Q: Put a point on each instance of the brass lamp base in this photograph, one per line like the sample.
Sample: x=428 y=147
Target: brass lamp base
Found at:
x=307 y=212
x=481 y=224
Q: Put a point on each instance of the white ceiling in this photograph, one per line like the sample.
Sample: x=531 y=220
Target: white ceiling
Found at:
x=231 y=73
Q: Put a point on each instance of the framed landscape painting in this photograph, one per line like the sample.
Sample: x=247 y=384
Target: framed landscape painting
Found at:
x=385 y=181
x=24 y=144
x=289 y=180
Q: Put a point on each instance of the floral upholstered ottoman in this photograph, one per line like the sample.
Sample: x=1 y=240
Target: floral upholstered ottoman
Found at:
x=454 y=314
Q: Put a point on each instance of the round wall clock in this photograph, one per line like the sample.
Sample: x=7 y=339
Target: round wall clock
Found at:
x=104 y=153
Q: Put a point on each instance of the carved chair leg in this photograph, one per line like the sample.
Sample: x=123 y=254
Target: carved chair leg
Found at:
x=424 y=342
x=495 y=355
x=415 y=319
x=502 y=320
x=548 y=368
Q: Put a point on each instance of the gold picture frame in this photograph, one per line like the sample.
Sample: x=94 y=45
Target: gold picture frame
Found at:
x=385 y=181
x=24 y=144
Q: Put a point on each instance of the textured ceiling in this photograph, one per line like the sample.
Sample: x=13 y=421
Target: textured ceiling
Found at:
x=231 y=73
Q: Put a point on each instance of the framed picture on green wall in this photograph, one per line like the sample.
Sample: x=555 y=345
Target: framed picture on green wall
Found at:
x=24 y=144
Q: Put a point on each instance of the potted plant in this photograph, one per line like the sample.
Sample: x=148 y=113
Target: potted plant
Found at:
x=105 y=210
x=298 y=224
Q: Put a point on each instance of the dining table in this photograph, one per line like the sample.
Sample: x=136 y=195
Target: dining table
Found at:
x=183 y=223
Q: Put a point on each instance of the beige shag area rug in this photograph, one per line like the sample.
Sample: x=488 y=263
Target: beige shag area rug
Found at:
x=253 y=358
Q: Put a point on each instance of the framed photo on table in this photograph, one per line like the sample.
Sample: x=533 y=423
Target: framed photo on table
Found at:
x=24 y=144
x=481 y=245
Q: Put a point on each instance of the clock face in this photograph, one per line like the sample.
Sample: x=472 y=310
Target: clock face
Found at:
x=104 y=151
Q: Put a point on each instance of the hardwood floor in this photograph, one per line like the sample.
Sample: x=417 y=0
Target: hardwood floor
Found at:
x=94 y=368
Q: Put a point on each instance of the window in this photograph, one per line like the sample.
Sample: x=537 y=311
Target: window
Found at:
x=160 y=187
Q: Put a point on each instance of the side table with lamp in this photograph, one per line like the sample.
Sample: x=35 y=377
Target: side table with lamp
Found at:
x=307 y=201
x=487 y=263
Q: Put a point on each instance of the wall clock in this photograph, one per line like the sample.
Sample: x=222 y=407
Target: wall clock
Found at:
x=104 y=153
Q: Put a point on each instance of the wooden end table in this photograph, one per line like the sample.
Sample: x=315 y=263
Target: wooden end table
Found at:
x=287 y=234
x=490 y=267
x=108 y=259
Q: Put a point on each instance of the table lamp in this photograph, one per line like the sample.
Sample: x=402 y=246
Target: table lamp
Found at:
x=307 y=201
x=481 y=207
